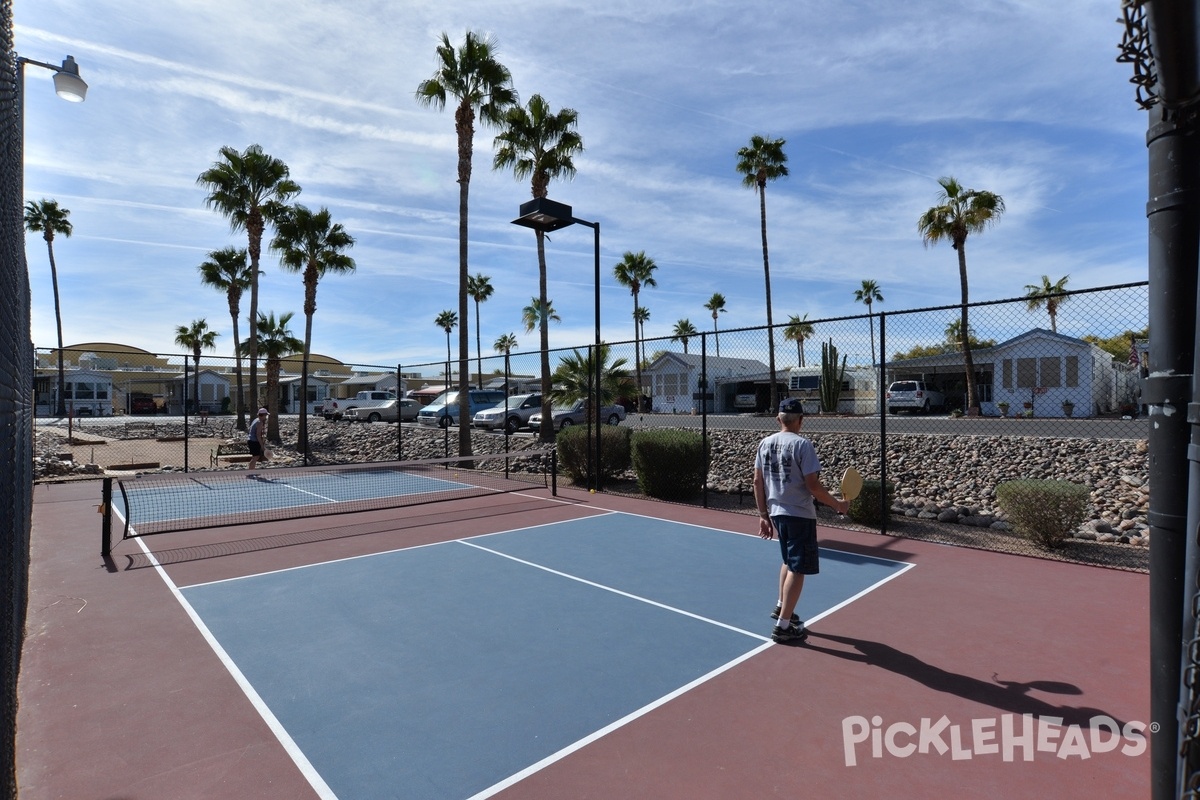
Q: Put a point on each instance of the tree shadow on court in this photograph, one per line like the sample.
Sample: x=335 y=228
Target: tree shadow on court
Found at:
x=1009 y=696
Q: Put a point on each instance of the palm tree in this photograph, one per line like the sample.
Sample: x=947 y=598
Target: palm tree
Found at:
x=480 y=86
x=447 y=320
x=538 y=315
x=959 y=213
x=310 y=243
x=684 y=330
x=275 y=342
x=1048 y=295
x=540 y=145
x=716 y=304
x=636 y=270
x=226 y=271
x=505 y=344
x=479 y=286
x=869 y=294
x=798 y=330
x=48 y=218
x=250 y=189
x=764 y=160
x=575 y=379
x=196 y=338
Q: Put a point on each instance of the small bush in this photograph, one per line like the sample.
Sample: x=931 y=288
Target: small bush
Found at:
x=1043 y=511
x=864 y=509
x=670 y=464
x=575 y=451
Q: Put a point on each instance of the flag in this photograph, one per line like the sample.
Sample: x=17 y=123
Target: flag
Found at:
x=1135 y=358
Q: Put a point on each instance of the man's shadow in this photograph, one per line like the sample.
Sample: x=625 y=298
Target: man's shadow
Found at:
x=1010 y=696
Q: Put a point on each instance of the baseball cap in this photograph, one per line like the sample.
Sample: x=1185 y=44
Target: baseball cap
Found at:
x=262 y=411
x=791 y=405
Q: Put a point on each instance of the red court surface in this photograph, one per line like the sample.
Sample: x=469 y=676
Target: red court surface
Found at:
x=122 y=697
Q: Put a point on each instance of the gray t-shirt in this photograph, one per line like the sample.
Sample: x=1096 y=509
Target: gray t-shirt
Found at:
x=785 y=458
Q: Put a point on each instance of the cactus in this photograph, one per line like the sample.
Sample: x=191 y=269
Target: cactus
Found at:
x=831 y=377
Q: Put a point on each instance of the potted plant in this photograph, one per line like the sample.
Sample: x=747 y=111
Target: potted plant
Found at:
x=1003 y=406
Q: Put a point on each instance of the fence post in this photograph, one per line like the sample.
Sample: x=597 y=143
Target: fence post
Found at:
x=106 y=517
x=704 y=415
x=884 y=507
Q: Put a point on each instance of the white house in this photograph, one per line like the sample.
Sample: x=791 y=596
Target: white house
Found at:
x=214 y=389
x=674 y=382
x=1046 y=373
x=85 y=392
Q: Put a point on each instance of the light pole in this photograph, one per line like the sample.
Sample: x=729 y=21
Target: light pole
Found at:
x=545 y=215
x=72 y=88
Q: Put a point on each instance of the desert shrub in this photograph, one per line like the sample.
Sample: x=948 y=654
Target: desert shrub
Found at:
x=1044 y=511
x=575 y=447
x=670 y=464
x=864 y=509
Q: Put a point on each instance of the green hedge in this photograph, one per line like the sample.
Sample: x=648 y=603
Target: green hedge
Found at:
x=670 y=464
x=575 y=450
x=1045 y=512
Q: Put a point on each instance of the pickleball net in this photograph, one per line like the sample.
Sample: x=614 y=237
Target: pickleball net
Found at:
x=163 y=502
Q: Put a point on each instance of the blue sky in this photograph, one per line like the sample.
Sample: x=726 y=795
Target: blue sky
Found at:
x=876 y=100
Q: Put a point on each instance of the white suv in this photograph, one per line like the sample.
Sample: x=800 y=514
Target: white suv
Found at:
x=914 y=396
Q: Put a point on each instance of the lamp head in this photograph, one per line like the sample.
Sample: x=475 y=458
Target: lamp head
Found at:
x=68 y=84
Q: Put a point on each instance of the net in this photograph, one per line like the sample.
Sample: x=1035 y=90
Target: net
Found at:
x=159 y=503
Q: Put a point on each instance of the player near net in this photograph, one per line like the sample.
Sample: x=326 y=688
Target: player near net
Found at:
x=787 y=480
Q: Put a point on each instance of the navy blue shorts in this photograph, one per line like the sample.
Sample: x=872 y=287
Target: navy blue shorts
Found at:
x=255 y=447
x=798 y=543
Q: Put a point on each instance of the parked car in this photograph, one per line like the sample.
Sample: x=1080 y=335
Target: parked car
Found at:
x=337 y=409
x=914 y=396
x=394 y=410
x=512 y=415
x=576 y=414
x=443 y=410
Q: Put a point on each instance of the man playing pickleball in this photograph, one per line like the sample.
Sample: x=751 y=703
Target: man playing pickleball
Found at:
x=787 y=479
x=256 y=439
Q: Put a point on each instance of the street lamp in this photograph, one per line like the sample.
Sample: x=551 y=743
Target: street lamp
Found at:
x=72 y=88
x=545 y=215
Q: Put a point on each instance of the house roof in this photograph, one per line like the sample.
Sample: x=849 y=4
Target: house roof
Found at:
x=693 y=360
x=955 y=357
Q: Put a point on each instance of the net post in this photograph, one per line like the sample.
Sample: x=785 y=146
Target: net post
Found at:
x=106 y=518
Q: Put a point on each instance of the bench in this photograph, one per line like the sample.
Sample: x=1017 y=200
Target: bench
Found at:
x=230 y=453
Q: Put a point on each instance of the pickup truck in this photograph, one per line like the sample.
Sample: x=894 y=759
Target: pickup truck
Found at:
x=336 y=409
x=914 y=396
x=576 y=414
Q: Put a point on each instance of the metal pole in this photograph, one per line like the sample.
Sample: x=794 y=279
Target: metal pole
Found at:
x=599 y=409
x=884 y=506
x=704 y=413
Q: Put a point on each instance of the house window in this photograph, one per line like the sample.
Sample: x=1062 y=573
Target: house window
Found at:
x=1026 y=373
x=799 y=382
x=1051 y=371
x=671 y=384
x=1072 y=371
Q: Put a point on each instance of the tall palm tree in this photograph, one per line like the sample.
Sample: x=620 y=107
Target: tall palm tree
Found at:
x=716 y=304
x=1047 y=295
x=575 y=379
x=226 y=271
x=505 y=344
x=447 y=321
x=541 y=145
x=275 y=342
x=684 y=330
x=798 y=330
x=479 y=286
x=480 y=87
x=197 y=337
x=251 y=189
x=764 y=160
x=49 y=219
x=636 y=271
x=537 y=315
x=959 y=213
x=310 y=243
x=869 y=294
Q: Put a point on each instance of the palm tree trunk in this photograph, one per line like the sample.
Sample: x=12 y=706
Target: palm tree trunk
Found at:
x=716 y=336
x=273 y=399
x=254 y=231
x=969 y=362
x=196 y=381
x=302 y=430
x=546 y=431
x=637 y=358
x=762 y=205
x=237 y=368
x=61 y=409
x=464 y=336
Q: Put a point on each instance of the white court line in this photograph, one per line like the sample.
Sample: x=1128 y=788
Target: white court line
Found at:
x=289 y=744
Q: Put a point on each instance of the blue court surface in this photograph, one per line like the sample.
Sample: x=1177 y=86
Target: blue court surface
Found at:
x=451 y=670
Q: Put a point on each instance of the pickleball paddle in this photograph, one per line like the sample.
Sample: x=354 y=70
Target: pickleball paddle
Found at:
x=851 y=485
